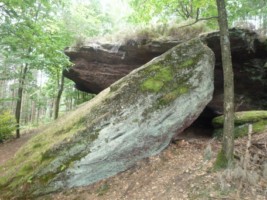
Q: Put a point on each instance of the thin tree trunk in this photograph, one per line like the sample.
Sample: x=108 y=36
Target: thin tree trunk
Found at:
x=264 y=25
x=33 y=112
x=23 y=73
x=24 y=109
x=38 y=115
x=2 y=89
x=51 y=108
x=71 y=103
x=13 y=101
x=228 y=128
x=59 y=93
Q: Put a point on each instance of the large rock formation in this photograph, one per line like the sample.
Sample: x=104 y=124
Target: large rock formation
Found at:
x=135 y=118
x=98 y=66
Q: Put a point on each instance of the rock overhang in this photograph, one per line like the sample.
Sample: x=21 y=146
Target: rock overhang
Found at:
x=96 y=68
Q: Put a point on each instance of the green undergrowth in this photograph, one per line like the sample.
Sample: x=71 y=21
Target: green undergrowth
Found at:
x=7 y=125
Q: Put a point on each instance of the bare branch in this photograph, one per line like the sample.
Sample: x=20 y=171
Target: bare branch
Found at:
x=200 y=19
x=183 y=11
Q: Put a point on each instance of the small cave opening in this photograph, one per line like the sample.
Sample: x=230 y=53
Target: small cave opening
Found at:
x=202 y=127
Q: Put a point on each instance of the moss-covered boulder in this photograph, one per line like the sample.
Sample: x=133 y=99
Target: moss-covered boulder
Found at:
x=135 y=118
x=258 y=120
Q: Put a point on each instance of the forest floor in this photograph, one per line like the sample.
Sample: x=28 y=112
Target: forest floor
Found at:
x=185 y=170
x=10 y=147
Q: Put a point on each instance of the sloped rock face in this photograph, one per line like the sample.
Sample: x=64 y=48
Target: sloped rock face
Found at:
x=97 y=67
x=135 y=118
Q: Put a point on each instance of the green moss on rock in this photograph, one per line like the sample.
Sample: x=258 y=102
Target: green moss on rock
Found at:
x=187 y=63
x=242 y=118
x=169 y=78
x=258 y=120
x=152 y=85
x=161 y=76
x=171 y=96
x=242 y=130
x=42 y=150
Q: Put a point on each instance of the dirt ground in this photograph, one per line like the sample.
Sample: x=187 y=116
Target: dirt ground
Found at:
x=183 y=171
x=9 y=148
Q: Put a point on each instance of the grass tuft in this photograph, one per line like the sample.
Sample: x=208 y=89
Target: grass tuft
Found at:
x=142 y=34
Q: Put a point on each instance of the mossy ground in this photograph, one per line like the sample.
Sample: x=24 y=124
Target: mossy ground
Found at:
x=22 y=169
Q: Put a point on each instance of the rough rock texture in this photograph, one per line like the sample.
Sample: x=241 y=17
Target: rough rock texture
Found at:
x=135 y=118
x=249 y=57
x=98 y=66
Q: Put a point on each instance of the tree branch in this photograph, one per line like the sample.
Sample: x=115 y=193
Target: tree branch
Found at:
x=200 y=19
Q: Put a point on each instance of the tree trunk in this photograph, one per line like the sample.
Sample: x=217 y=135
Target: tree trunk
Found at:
x=33 y=112
x=264 y=25
x=228 y=128
x=22 y=78
x=59 y=93
x=51 y=109
x=13 y=106
x=38 y=115
x=2 y=89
